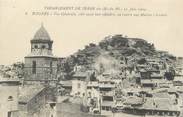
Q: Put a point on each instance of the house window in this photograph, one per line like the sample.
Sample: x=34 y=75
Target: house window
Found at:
x=10 y=98
x=9 y=114
x=34 y=67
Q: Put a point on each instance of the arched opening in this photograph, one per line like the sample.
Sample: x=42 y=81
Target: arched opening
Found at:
x=10 y=98
x=36 y=46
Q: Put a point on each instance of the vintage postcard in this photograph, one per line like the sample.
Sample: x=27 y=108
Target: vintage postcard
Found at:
x=91 y=58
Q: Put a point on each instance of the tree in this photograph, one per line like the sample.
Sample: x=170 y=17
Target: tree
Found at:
x=67 y=67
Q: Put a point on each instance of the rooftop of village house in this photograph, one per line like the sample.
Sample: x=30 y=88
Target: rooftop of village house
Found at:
x=29 y=92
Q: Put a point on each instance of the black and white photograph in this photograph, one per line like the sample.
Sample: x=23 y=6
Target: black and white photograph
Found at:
x=91 y=58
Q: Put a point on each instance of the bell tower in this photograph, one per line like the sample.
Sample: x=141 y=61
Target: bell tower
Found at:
x=41 y=44
x=40 y=64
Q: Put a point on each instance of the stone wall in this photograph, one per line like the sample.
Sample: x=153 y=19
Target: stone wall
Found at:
x=46 y=68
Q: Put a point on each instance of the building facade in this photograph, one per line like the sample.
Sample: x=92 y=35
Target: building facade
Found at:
x=9 y=97
x=40 y=64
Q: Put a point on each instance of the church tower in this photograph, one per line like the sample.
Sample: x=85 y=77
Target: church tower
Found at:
x=40 y=64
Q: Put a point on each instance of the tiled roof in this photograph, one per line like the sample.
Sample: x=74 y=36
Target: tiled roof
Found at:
x=41 y=34
x=133 y=100
x=80 y=75
x=66 y=83
x=2 y=79
x=106 y=85
x=62 y=99
x=156 y=75
x=154 y=81
x=109 y=93
x=93 y=84
x=161 y=95
x=76 y=100
x=28 y=92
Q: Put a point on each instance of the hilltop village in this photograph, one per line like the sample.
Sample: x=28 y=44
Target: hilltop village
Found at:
x=120 y=76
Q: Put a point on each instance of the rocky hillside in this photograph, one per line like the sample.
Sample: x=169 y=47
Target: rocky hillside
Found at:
x=12 y=71
x=108 y=54
x=115 y=48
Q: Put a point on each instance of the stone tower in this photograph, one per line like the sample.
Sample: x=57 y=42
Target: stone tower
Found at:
x=40 y=64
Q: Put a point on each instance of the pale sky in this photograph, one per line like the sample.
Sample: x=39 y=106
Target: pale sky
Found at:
x=71 y=33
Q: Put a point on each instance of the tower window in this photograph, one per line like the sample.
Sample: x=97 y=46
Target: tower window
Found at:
x=10 y=98
x=43 y=46
x=34 y=67
x=35 y=46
